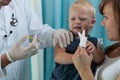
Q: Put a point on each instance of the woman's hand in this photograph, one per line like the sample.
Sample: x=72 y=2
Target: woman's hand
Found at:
x=82 y=59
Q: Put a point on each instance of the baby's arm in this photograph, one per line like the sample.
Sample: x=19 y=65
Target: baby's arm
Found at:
x=98 y=56
x=61 y=56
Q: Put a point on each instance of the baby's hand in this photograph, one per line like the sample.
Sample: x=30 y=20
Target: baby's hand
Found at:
x=90 y=47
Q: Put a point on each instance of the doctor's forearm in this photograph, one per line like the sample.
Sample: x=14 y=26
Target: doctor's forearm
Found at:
x=4 y=61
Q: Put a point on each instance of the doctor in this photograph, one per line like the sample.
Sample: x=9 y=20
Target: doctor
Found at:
x=16 y=20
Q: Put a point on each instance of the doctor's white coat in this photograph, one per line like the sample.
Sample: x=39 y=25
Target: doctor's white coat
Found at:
x=28 y=23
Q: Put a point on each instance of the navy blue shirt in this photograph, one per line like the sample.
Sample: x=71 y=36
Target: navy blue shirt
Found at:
x=68 y=71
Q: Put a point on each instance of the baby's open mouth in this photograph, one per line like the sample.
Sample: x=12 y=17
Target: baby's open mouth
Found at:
x=77 y=27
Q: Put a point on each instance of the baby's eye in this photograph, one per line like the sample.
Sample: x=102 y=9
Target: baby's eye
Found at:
x=83 y=19
x=72 y=18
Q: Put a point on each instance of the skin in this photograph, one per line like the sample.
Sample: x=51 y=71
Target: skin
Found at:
x=118 y=78
x=110 y=23
x=4 y=2
x=80 y=19
x=4 y=61
x=111 y=27
x=112 y=31
x=82 y=63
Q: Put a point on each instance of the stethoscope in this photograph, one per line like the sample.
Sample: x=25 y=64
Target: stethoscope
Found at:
x=4 y=33
x=14 y=20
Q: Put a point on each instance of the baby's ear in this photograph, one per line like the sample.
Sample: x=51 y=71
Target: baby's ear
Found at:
x=92 y=23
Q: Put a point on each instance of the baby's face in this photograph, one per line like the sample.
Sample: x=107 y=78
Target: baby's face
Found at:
x=79 y=19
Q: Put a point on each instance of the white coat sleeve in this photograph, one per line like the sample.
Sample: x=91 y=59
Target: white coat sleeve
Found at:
x=2 y=71
x=44 y=32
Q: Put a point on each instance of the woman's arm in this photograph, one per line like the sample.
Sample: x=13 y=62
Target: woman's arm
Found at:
x=61 y=56
x=86 y=73
x=82 y=61
x=98 y=55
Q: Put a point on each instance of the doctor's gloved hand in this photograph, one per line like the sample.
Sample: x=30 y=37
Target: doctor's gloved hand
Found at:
x=18 y=52
x=62 y=37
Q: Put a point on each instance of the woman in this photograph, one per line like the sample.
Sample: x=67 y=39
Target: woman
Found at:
x=110 y=69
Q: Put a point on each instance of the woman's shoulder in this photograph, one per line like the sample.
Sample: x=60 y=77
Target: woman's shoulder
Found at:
x=110 y=68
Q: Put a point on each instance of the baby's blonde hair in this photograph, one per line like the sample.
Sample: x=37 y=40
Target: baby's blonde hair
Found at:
x=85 y=3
